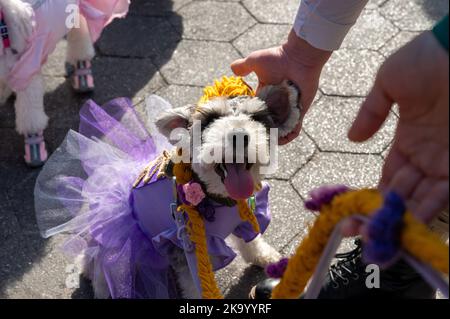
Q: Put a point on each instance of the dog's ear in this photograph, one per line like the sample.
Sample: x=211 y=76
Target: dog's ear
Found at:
x=179 y=117
x=282 y=102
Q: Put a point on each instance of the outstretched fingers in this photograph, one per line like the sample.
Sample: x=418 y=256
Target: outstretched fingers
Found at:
x=243 y=67
x=372 y=114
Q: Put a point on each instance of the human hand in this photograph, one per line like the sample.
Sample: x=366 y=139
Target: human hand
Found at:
x=296 y=60
x=416 y=168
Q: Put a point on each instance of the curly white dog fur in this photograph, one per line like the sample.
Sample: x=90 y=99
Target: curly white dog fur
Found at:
x=19 y=16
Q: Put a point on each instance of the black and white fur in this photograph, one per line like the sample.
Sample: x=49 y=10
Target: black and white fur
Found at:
x=219 y=118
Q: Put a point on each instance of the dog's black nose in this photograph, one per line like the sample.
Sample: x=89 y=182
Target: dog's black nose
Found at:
x=239 y=137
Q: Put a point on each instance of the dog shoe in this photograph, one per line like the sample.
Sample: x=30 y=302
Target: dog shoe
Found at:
x=81 y=76
x=263 y=290
x=35 y=150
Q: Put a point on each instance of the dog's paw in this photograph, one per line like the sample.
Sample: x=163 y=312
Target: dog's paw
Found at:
x=266 y=257
x=257 y=252
x=20 y=15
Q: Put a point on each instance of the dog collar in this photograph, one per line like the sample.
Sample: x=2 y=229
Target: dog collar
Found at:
x=4 y=32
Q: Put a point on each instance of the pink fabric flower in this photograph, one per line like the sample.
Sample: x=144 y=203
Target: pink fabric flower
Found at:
x=193 y=193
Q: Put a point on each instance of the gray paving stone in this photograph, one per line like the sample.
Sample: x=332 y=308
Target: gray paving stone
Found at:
x=267 y=11
x=338 y=168
x=238 y=278
x=45 y=279
x=62 y=104
x=180 y=95
x=120 y=77
x=137 y=36
x=292 y=246
x=371 y=31
x=415 y=15
x=252 y=80
x=374 y=4
x=18 y=256
x=11 y=149
x=395 y=110
x=385 y=153
x=215 y=21
x=329 y=120
x=350 y=72
x=9 y=225
x=7 y=114
x=261 y=36
x=347 y=244
x=199 y=62
x=402 y=38
x=289 y=217
x=23 y=206
x=156 y=7
x=293 y=156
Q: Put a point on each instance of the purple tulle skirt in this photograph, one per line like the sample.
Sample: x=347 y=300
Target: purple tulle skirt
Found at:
x=84 y=190
x=126 y=234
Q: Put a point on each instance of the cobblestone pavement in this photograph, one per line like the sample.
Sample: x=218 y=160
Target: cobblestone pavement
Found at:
x=173 y=48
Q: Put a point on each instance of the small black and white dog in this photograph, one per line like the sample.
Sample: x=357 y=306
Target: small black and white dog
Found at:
x=221 y=123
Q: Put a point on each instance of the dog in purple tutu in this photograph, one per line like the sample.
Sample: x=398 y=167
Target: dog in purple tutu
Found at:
x=115 y=186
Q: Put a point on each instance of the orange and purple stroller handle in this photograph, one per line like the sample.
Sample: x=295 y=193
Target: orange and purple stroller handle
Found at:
x=392 y=230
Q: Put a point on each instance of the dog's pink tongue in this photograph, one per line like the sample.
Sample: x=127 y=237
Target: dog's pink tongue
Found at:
x=239 y=181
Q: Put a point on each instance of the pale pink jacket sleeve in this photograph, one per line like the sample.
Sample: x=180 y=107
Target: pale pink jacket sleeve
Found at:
x=325 y=23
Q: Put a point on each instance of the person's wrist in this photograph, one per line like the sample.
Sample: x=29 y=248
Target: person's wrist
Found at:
x=301 y=53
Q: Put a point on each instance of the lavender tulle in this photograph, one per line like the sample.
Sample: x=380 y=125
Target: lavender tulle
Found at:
x=84 y=191
x=126 y=234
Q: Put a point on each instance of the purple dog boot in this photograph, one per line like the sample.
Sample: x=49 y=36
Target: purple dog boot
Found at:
x=35 y=150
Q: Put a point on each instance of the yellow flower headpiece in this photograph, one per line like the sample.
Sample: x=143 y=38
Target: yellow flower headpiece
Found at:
x=227 y=87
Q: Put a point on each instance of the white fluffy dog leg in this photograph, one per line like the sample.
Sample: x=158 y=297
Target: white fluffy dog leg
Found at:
x=186 y=283
x=79 y=44
x=257 y=252
x=183 y=275
x=100 y=285
x=30 y=114
x=86 y=268
x=5 y=92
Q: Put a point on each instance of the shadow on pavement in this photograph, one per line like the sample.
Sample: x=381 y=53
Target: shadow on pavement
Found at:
x=251 y=276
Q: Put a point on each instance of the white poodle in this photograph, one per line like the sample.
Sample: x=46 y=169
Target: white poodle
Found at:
x=30 y=30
